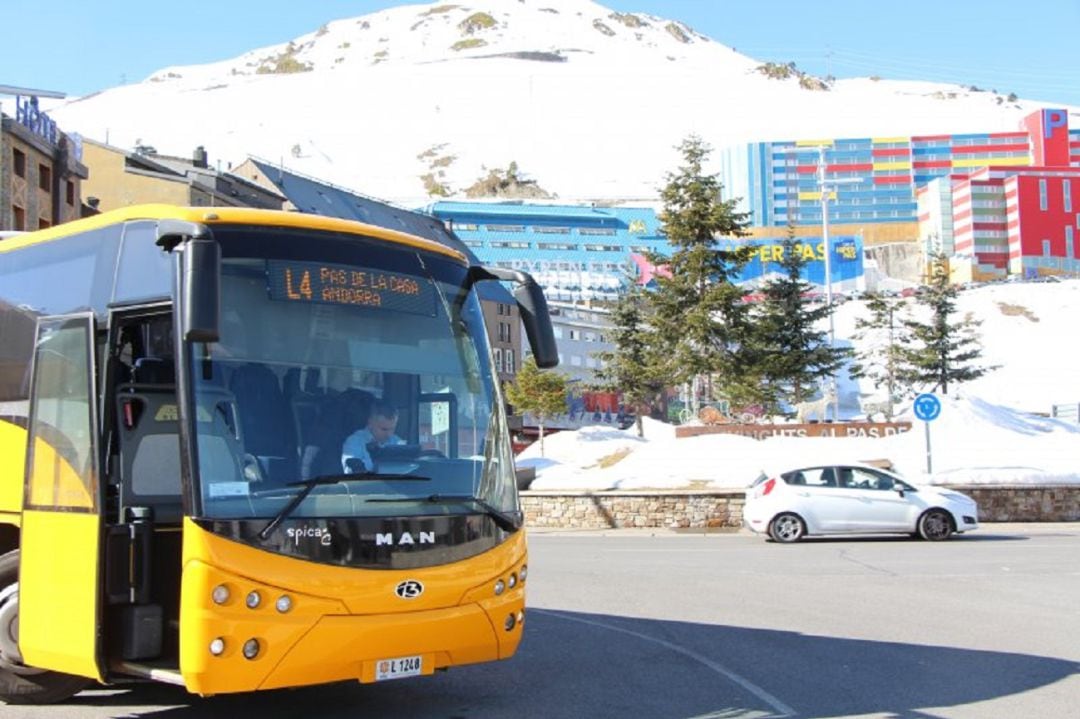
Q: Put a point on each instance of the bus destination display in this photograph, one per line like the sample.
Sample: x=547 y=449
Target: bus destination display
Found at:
x=349 y=285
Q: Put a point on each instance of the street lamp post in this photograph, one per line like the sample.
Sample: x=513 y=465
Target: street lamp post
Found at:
x=826 y=186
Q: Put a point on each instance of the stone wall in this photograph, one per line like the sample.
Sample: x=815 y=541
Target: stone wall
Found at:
x=1035 y=503
x=605 y=510
x=716 y=509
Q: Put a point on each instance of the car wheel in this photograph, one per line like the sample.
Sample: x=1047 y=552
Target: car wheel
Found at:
x=935 y=525
x=787 y=528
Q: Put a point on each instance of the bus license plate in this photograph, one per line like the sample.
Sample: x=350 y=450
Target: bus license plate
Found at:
x=398 y=668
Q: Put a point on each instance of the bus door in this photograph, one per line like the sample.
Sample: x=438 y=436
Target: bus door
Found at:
x=59 y=597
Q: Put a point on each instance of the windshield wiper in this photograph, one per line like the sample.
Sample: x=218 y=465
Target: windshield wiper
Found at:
x=506 y=522
x=309 y=484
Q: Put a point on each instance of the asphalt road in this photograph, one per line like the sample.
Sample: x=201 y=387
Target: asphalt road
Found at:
x=710 y=626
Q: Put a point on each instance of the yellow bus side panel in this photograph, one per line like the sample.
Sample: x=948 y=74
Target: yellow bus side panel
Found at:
x=12 y=466
x=341 y=621
x=55 y=571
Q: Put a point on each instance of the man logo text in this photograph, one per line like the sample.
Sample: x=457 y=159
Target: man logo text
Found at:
x=405 y=538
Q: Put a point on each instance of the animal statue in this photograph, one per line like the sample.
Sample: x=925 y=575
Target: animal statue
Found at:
x=814 y=408
x=870 y=407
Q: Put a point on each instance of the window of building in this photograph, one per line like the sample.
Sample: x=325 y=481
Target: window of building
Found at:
x=20 y=162
x=501 y=306
x=1042 y=194
x=69 y=193
x=45 y=178
x=557 y=331
x=1069 y=243
x=43 y=224
x=18 y=217
x=465 y=227
x=575 y=334
x=506 y=228
x=575 y=360
x=1066 y=189
x=549 y=230
x=1046 y=248
x=498 y=360
x=596 y=231
x=510 y=361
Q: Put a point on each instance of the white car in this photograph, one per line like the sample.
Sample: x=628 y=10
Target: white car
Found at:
x=853 y=499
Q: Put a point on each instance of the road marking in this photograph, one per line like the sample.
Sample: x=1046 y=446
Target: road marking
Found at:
x=782 y=709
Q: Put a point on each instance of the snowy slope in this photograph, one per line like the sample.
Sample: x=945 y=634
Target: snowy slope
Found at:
x=587 y=101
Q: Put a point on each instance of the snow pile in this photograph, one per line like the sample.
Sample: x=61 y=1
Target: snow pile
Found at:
x=987 y=432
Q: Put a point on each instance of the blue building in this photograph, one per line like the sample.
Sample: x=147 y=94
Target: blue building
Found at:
x=575 y=253
x=589 y=253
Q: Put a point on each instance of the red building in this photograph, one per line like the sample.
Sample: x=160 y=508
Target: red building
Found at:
x=1010 y=220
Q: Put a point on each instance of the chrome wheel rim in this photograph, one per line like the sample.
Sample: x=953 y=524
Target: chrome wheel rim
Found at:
x=788 y=528
x=936 y=525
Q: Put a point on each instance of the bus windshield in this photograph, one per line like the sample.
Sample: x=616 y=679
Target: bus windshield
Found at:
x=358 y=383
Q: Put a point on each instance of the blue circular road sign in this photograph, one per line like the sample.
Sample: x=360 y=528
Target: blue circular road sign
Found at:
x=927 y=407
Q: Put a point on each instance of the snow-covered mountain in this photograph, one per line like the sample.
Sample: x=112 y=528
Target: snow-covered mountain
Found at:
x=587 y=101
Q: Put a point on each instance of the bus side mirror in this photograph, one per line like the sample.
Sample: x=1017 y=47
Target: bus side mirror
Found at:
x=534 y=311
x=201 y=294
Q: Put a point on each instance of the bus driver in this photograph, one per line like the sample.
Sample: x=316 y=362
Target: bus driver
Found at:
x=379 y=433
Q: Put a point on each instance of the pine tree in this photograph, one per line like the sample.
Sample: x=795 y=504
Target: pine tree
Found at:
x=882 y=338
x=700 y=319
x=534 y=390
x=943 y=350
x=631 y=368
x=793 y=354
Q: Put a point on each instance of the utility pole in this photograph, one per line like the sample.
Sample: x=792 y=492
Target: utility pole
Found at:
x=826 y=186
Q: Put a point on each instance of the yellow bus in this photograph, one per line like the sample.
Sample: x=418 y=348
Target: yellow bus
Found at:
x=176 y=385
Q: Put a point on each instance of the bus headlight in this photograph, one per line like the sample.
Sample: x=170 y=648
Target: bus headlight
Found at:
x=251 y=648
x=217 y=646
x=220 y=595
x=524 y=572
x=500 y=587
x=283 y=603
x=513 y=580
x=253 y=599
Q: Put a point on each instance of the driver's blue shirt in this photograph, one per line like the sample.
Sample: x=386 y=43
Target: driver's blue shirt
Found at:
x=356 y=447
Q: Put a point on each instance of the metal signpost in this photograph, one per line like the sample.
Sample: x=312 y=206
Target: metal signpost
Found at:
x=927 y=407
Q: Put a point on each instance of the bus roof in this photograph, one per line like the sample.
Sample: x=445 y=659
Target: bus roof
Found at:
x=227 y=216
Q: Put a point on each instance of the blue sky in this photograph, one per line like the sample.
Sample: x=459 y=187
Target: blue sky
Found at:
x=1024 y=47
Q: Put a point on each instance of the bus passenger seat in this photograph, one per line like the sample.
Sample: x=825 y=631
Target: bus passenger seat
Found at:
x=266 y=423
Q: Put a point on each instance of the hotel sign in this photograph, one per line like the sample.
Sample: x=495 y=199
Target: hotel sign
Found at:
x=36 y=121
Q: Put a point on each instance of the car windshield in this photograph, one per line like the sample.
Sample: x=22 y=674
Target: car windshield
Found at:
x=367 y=372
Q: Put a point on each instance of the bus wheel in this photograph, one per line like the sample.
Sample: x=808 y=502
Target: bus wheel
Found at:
x=20 y=684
